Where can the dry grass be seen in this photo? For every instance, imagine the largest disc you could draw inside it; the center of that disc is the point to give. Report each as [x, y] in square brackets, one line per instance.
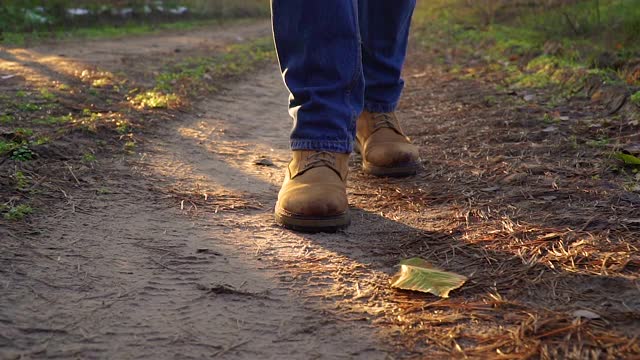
[540, 220]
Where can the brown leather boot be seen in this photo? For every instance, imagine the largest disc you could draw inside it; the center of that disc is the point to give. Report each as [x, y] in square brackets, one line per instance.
[385, 149]
[313, 197]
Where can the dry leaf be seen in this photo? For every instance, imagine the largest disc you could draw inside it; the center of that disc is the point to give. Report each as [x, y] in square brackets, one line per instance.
[419, 275]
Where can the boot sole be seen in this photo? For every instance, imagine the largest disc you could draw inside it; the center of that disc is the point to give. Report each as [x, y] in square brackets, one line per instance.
[401, 170]
[313, 224]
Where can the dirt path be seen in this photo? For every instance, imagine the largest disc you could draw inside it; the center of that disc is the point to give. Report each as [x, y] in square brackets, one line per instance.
[177, 256]
[126, 274]
[140, 57]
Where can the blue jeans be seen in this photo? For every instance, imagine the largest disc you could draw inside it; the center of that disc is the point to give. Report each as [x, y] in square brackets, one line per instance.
[337, 58]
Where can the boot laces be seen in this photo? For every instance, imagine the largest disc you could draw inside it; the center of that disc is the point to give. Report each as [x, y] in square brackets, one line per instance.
[385, 120]
[321, 158]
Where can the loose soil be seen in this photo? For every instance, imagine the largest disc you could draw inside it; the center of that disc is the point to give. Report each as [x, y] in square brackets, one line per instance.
[172, 252]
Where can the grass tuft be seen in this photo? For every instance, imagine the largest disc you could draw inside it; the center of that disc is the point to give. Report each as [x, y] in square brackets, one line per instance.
[16, 213]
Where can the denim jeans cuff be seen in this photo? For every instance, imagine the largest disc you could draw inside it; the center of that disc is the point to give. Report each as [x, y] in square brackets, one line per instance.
[345, 147]
[380, 107]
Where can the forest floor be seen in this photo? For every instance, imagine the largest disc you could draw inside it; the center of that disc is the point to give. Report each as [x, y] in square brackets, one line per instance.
[138, 223]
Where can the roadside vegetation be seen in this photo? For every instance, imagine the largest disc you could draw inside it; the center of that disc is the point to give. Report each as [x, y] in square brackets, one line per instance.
[23, 22]
[54, 134]
[534, 42]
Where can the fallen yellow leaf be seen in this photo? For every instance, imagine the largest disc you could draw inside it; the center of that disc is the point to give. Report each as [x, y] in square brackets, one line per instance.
[418, 275]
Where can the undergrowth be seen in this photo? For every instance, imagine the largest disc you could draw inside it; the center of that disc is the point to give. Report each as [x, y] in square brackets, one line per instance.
[539, 46]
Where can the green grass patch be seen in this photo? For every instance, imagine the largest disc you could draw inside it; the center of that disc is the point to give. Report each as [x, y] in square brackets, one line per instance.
[129, 147]
[103, 191]
[610, 24]
[195, 74]
[88, 158]
[54, 120]
[41, 140]
[89, 120]
[154, 99]
[600, 143]
[29, 107]
[47, 95]
[7, 119]
[16, 213]
[561, 44]
[628, 159]
[23, 132]
[102, 82]
[7, 146]
[613, 24]
[22, 182]
[123, 127]
[22, 153]
[18, 149]
[108, 31]
[635, 98]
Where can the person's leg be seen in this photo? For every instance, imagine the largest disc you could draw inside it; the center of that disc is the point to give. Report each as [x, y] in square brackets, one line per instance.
[384, 28]
[318, 46]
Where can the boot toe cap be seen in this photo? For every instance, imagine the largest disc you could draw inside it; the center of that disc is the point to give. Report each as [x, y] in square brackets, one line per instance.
[392, 154]
[317, 202]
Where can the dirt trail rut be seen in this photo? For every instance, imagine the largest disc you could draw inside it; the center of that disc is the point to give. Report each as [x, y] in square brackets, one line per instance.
[128, 274]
